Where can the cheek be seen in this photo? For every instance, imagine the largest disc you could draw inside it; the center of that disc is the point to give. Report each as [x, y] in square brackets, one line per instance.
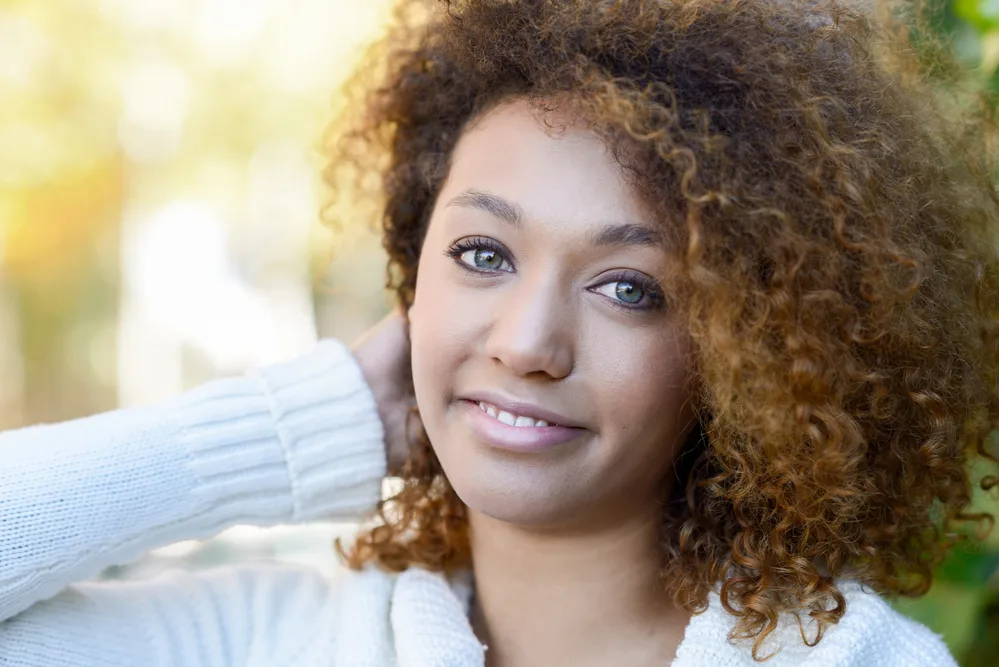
[643, 401]
[439, 324]
[424, 324]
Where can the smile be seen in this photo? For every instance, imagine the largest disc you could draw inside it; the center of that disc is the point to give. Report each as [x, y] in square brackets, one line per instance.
[514, 432]
[511, 419]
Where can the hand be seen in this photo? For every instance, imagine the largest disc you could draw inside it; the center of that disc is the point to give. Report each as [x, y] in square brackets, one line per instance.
[383, 354]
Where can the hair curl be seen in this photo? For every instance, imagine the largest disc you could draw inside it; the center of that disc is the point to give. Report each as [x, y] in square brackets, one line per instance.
[824, 178]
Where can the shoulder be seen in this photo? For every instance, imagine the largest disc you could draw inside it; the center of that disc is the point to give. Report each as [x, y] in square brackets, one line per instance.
[870, 634]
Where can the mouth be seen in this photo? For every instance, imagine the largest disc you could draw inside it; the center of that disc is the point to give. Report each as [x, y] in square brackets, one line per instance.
[512, 419]
[518, 427]
[518, 413]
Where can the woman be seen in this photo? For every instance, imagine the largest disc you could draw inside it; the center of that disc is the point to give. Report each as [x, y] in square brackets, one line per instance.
[699, 314]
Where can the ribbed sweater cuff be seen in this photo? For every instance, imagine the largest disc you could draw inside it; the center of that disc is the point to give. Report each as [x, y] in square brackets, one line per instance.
[328, 424]
[293, 442]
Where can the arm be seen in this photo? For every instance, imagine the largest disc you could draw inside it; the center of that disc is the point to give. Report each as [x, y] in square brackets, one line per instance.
[294, 442]
[242, 615]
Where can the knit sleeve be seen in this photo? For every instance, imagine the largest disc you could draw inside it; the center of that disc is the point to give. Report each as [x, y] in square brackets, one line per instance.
[245, 615]
[294, 442]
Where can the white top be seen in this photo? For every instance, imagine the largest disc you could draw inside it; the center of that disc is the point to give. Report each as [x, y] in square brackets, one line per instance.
[295, 442]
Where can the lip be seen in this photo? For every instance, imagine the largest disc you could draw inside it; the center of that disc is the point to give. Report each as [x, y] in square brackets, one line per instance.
[521, 408]
[520, 439]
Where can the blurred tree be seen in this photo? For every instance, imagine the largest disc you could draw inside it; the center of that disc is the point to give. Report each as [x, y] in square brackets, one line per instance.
[61, 183]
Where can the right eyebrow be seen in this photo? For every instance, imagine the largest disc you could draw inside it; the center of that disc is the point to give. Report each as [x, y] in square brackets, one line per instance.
[490, 203]
[626, 234]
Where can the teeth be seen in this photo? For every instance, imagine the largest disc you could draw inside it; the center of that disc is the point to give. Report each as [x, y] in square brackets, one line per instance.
[507, 418]
[510, 419]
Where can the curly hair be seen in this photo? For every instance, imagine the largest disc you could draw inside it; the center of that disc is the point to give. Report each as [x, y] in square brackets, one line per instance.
[824, 177]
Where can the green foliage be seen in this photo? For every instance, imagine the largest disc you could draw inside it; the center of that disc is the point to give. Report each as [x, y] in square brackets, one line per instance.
[982, 14]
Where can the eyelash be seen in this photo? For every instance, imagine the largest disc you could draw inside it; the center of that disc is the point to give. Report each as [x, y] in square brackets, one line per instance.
[643, 282]
[461, 246]
[649, 286]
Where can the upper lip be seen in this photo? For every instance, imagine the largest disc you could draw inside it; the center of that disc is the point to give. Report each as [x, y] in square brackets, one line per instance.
[521, 408]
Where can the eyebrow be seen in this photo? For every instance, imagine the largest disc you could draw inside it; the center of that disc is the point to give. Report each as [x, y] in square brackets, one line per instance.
[624, 234]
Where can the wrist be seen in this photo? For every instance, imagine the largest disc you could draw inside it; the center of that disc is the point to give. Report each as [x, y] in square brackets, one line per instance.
[328, 425]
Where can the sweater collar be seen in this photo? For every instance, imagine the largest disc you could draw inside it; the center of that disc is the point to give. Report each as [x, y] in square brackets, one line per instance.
[431, 628]
[429, 616]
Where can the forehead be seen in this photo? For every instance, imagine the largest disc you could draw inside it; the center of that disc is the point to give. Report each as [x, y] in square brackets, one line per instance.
[552, 168]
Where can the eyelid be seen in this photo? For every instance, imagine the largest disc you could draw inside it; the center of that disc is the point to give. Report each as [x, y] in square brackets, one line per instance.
[463, 245]
[651, 287]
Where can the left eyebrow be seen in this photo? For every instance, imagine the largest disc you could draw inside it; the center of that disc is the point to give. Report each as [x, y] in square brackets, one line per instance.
[625, 235]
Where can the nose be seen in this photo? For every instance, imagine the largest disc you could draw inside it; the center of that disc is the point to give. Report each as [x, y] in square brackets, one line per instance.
[532, 331]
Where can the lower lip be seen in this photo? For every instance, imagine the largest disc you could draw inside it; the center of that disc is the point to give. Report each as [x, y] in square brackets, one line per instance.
[517, 438]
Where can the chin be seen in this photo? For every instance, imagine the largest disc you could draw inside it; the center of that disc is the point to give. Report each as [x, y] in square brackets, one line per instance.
[516, 491]
[518, 514]
[508, 506]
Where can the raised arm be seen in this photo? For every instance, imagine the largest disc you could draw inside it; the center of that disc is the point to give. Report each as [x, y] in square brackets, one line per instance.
[293, 442]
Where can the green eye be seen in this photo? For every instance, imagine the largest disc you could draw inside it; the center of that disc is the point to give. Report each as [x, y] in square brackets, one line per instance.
[629, 292]
[487, 259]
[480, 254]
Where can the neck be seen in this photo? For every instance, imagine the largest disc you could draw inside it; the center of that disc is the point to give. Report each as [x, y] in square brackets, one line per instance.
[579, 597]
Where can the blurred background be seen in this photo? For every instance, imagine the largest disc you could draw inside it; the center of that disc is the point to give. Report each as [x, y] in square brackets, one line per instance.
[159, 198]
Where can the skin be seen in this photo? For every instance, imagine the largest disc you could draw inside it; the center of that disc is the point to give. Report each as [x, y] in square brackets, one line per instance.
[383, 355]
[554, 530]
[547, 329]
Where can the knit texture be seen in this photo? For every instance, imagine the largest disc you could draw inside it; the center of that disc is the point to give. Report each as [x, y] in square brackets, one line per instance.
[295, 442]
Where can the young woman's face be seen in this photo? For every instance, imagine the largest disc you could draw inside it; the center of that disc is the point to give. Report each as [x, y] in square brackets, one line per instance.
[537, 299]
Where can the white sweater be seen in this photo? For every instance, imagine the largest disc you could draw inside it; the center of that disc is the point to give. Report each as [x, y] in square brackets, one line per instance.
[296, 442]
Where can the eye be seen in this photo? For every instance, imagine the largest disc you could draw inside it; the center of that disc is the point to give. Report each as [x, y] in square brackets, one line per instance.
[483, 258]
[628, 292]
[632, 292]
[480, 254]
[623, 291]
